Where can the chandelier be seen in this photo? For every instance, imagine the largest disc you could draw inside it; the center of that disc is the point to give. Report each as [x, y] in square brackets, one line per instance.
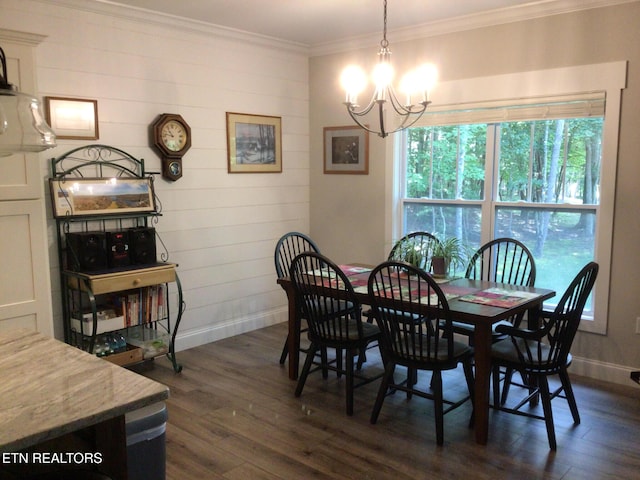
[414, 86]
[22, 125]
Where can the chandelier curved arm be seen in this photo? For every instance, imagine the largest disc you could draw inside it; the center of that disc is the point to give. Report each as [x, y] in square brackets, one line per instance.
[408, 115]
[356, 115]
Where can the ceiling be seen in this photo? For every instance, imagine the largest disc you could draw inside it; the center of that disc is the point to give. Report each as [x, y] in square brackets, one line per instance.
[316, 22]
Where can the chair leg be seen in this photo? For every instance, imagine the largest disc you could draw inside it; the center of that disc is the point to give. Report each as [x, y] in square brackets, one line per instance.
[438, 405]
[412, 379]
[495, 375]
[467, 366]
[545, 397]
[389, 369]
[305, 369]
[350, 359]
[568, 391]
[324, 362]
[362, 357]
[508, 376]
[285, 351]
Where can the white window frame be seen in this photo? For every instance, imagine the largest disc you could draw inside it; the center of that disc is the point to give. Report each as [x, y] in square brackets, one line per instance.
[526, 88]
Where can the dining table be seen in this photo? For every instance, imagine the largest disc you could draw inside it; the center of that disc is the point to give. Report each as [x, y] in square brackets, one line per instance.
[476, 302]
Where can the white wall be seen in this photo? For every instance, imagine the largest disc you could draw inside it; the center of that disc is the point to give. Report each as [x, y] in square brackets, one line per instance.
[220, 228]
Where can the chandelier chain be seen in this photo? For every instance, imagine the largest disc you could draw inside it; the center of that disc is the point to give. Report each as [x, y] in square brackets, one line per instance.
[384, 43]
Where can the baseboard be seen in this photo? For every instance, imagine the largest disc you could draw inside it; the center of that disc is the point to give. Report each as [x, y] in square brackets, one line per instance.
[211, 333]
[607, 372]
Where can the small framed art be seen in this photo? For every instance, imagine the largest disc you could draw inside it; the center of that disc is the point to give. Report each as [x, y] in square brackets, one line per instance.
[101, 196]
[72, 118]
[346, 150]
[254, 143]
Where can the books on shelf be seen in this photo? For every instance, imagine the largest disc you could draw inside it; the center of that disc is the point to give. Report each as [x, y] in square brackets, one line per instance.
[144, 306]
[123, 310]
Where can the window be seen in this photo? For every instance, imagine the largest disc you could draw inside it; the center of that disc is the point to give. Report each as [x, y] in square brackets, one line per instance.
[541, 188]
[540, 169]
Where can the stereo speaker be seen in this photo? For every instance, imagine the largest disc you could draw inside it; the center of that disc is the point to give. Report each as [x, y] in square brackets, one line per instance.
[86, 251]
[118, 249]
[143, 245]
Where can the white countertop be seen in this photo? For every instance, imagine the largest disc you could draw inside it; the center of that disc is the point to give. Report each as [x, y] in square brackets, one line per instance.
[49, 389]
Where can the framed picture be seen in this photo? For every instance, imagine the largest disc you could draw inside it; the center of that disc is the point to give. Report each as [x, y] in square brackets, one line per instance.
[101, 196]
[72, 118]
[346, 150]
[254, 143]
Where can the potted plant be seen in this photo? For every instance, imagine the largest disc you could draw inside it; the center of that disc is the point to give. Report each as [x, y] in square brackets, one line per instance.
[446, 254]
[412, 253]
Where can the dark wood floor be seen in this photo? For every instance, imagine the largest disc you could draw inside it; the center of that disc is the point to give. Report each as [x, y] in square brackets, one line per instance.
[233, 415]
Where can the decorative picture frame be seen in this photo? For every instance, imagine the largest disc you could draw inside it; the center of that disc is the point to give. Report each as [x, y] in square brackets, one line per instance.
[72, 118]
[101, 196]
[346, 150]
[254, 143]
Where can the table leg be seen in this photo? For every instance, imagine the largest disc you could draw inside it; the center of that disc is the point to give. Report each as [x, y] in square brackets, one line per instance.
[293, 339]
[482, 339]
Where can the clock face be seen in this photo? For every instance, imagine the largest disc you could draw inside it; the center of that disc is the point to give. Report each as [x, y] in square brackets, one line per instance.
[174, 135]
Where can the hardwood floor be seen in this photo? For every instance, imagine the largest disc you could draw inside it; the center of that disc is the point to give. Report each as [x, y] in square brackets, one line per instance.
[233, 415]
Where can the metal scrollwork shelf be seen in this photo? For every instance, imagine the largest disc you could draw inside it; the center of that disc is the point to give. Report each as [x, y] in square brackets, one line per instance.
[115, 273]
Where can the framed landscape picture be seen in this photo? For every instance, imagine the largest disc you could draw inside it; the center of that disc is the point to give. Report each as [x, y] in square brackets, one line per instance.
[254, 143]
[101, 196]
[346, 150]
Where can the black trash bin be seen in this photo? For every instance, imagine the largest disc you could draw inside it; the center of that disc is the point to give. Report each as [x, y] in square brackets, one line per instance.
[146, 450]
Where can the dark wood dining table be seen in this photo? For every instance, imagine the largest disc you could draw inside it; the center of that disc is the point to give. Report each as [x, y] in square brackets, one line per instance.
[481, 315]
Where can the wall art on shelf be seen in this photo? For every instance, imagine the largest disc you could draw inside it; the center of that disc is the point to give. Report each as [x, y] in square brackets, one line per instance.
[346, 150]
[254, 143]
[101, 196]
[72, 118]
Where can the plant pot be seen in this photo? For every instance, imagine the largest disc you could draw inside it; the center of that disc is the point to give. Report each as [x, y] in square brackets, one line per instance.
[439, 266]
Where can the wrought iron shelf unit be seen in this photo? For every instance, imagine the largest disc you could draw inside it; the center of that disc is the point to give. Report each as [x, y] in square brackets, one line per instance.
[115, 291]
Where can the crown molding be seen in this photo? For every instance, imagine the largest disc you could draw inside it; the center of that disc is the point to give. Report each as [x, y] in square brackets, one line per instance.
[535, 9]
[531, 10]
[23, 38]
[166, 21]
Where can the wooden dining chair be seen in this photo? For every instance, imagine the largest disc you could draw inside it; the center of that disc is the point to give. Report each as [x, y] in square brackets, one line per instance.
[328, 302]
[539, 354]
[415, 248]
[287, 248]
[502, 260]
[400, 294]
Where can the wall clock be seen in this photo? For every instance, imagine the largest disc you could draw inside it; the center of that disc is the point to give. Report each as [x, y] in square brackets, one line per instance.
[172, 138]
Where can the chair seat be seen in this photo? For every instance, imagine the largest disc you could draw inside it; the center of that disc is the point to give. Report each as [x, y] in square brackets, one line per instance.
[414, 317]
[442, 355]
[468, 329]
[337, 305]
[349, 330]
[506, 353]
